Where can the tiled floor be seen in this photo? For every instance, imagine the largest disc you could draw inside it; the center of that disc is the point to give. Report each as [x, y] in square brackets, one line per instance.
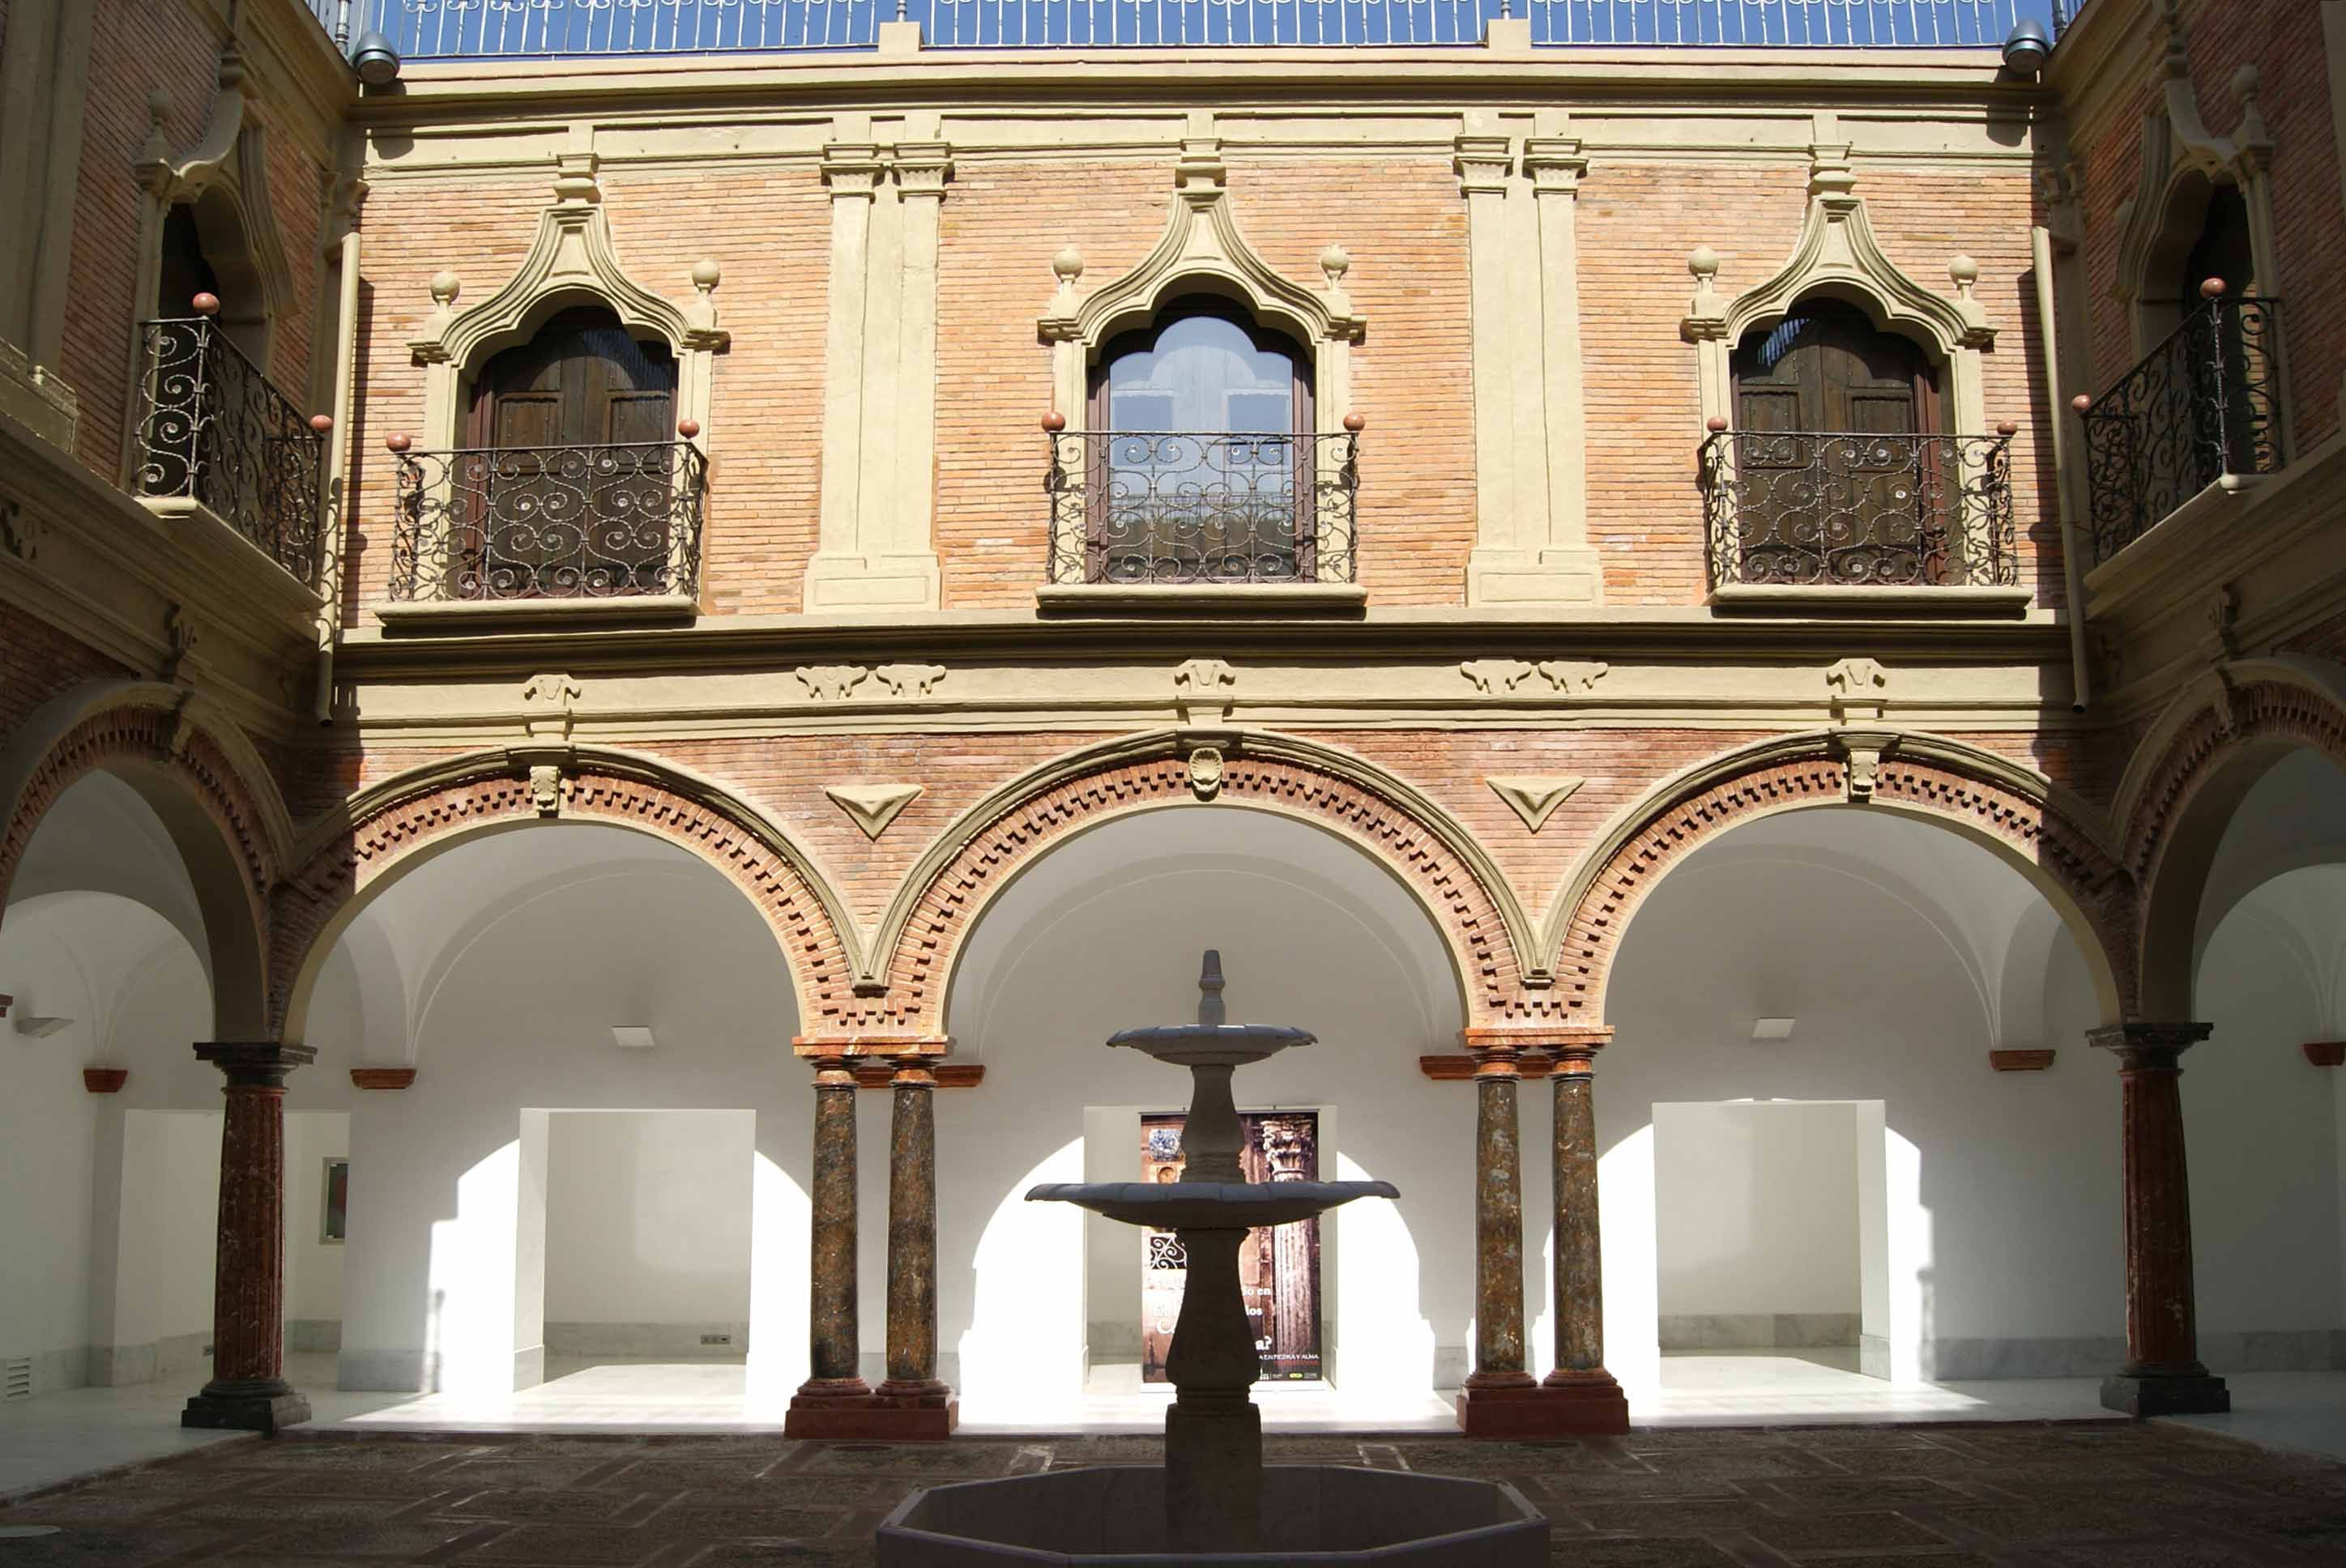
[2021, 1495]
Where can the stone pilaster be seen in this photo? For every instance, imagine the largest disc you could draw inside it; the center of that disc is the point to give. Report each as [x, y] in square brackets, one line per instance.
[2163, 1374]
[247, 1392]
[922, 1405]
[833, 1398]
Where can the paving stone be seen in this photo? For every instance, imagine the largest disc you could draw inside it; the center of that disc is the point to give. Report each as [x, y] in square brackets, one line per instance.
[1673, 1518]
[1635, 1484]
[658, 1473]
[405, 1539]
[406, 1485]
[769, 1553]
[1836, 1491]
[494, 1474]
[104, 1547]
[385, 1454]
[956, 1460]
[1755, 1465]
[2153, 1554]
[576, 1506]
[1842, 1531]
[681, 1518]
[251, 1510]
[561, 1545]
[1684, 1552]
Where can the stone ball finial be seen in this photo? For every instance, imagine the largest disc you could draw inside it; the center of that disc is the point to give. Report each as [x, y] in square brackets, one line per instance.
[206, 304]
[1356, 423]
[1964, 270]
[1335, 261]
[2081, 403]
[398, 442]
[707, 274]
[1055, 422]
[1716, 424]
[2006, 429]
[446, 286]
[322, 422]
[2213, 289]
[1068, 263]
[688, 428]
[1703, 261]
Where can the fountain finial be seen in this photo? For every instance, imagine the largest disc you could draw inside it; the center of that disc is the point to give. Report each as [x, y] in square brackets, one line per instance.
[1211, 1013]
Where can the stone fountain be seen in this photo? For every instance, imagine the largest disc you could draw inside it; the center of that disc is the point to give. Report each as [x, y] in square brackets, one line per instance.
[1213, 1500]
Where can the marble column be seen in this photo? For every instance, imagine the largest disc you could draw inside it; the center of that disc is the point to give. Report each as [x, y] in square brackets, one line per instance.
[925, 1404]
[835, 1387]
[2163, 1374]
[1582, 1395]
[247, 1392]
[1498, 1386]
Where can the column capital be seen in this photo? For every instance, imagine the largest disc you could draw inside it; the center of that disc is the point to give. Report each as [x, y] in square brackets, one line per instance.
[2148, 1046]
[1572, 1046]
[262, 1063]
[1483, 164]
[922, 166]
[1555, 163]
[821, 1046]
[852, 168]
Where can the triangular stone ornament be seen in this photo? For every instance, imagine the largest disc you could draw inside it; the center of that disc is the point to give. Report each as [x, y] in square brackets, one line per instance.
[873, 805]
[1534, 799]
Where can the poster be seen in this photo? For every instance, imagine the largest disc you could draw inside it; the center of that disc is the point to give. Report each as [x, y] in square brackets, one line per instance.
[1279, 1266]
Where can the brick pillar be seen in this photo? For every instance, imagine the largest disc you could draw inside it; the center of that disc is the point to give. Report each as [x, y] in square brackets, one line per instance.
[833, 1398]
[1582, 1396]
[922, 1406]
[2162, 1375]
[1498, 1391]
[247, 1392]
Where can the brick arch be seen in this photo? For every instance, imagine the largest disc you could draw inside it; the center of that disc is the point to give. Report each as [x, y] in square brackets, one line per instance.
[395, 827]
[2195, 770]
[1432, 856]
[1988, 799]
[202, 780]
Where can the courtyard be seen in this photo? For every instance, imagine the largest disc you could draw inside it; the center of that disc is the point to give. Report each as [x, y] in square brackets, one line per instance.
[2074, 1494]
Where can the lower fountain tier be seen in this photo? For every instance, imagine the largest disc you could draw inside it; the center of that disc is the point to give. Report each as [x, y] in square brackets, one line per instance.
[1113, 1516]
[1209, 1204]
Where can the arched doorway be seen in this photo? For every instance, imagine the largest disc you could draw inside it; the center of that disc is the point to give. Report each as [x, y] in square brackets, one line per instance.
[1042, 1307]
[1820, 1192]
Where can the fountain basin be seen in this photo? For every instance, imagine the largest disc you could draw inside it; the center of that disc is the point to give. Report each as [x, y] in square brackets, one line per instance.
[1113, 1516]
[1209, 1204]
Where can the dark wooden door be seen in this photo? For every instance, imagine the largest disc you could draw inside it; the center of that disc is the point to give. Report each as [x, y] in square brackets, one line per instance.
[1837, 478]
[573, 461]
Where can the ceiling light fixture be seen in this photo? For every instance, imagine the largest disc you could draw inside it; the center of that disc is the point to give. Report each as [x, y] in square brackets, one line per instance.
[1773, 1029]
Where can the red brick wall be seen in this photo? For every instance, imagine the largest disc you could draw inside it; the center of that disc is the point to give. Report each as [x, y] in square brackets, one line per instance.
[2284, 41]
[38, 662]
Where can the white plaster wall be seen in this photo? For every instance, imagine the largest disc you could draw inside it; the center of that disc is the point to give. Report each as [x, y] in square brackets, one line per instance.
[48, 1126]
[167, 1245]
[1105, 932]
[527, 959]
[1756, 1207]
[2001, 1190]
[647, 1222]
[313, 1266]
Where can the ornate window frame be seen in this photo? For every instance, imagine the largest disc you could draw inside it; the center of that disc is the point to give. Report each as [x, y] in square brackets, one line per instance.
[1837, 256]
[571, 261]
[1202, 252]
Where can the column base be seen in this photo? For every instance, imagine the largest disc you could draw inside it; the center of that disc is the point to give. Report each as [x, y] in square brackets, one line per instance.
[257, 1407]
[2194, 1392]
[869, 1420]
[1583, 1408]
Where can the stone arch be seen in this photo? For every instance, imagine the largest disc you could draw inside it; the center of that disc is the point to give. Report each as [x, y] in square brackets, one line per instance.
[2050, 837]
[2186, 782]
[388, 830]
[213, 794]
[1435, 859]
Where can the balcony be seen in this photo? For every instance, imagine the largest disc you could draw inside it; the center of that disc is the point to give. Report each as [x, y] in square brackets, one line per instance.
[1191, 509]
[214, 432]
[548, 526]
[2201, 407]
[445, 29]
[1800, 511]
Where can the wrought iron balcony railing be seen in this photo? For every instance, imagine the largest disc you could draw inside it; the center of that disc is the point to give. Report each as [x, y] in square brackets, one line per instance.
[2204, 404]
[547, 523]
[213, 430]
[538, 28]
[1842, 509]
[1203, 507]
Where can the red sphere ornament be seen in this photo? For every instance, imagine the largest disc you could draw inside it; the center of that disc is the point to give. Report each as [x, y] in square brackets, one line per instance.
[398, 442]
[688, 428]
[1716, 424]
[1356, 423]
[2213, 289]
[2007, 429]
[322, 422]
[206, 304]
[1055, 422]
[2082, 403]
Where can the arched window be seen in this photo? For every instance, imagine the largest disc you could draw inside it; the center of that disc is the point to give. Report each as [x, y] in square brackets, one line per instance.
[186, 271]
[2223, 249]
[1201, 471]
[571, 475]
[1842, 474]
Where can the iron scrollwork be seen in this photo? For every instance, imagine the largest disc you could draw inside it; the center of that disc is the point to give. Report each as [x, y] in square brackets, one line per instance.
[1850, 509]
[1174, 507]
[2202, 404]
[214, 430]
[548, 522]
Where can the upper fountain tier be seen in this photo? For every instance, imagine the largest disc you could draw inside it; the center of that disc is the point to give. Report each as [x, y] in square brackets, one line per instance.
[1211, 1041]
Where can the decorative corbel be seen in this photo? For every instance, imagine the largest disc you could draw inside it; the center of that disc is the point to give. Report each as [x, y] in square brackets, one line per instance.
[1706, 316]
[549, 705]
[1199, 686]
[1862, 751]
[179, 638]
[1860, 689]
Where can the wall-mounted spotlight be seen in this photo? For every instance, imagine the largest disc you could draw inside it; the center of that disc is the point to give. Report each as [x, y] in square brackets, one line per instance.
[632, 1037]
[1772, 1029]
[40, 1028]
[377, 63]
[2028, 47]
